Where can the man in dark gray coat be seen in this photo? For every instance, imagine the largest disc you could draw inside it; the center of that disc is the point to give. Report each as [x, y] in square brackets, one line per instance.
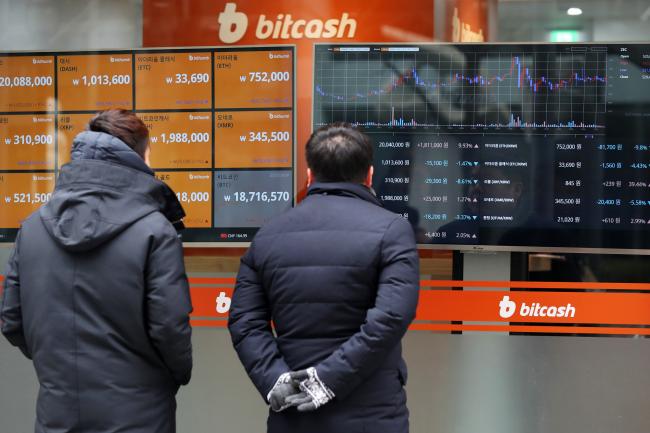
[338, 276]
[96, 293]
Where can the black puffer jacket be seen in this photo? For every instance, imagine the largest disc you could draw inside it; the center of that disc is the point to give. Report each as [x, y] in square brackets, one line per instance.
[338, 276]
[96, 294]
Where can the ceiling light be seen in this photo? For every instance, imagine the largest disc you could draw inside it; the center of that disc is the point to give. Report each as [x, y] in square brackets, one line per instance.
[574, 11]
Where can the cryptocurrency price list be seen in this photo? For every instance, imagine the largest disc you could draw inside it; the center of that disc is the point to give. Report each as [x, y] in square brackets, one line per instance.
[501, 145]
[221, 124]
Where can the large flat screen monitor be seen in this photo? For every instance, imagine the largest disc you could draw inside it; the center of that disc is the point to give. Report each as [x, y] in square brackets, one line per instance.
[506, 147]
[221, 124]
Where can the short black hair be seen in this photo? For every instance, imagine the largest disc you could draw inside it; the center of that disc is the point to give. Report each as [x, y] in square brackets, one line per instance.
[339, 153]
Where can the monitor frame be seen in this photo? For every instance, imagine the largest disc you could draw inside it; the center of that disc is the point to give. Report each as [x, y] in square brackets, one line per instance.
[183, 49]
[473, 248]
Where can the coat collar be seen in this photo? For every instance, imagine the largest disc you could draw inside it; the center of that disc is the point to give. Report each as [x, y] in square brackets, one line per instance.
[345, 189]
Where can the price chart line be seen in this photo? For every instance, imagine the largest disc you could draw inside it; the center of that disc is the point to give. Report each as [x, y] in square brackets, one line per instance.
[541, 91]
[524, 78]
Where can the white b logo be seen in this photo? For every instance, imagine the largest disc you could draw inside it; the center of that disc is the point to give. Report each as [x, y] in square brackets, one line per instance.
[223, 303]
[232, 24]
[507, 307]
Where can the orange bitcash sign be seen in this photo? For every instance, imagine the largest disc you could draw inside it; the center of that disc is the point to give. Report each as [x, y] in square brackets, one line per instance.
[515, 307]
[221, 124]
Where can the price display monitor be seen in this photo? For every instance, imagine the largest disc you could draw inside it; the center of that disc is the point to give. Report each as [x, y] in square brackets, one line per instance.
[221, 124]
[532, 147]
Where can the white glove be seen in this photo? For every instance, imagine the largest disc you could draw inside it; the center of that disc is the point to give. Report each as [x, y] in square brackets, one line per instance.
[284, 387]
[314, 392]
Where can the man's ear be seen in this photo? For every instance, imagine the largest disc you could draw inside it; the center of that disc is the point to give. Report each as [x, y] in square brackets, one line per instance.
[147, 156]
[368, 181]
[310, 177]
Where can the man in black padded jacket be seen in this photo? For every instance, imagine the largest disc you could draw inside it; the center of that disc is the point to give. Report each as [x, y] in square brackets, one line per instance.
[338, 276]
[95, 291]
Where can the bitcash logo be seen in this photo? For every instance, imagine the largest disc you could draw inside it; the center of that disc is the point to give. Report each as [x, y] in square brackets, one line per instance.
[232, 24]
[507, 307]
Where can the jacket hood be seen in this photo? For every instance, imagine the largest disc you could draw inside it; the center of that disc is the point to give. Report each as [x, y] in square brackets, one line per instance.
[105, 189]
[100, 146]
[346, 190]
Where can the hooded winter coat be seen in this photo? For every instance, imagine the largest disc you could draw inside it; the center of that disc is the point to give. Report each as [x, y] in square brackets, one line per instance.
[96, 295]
[338, 276]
